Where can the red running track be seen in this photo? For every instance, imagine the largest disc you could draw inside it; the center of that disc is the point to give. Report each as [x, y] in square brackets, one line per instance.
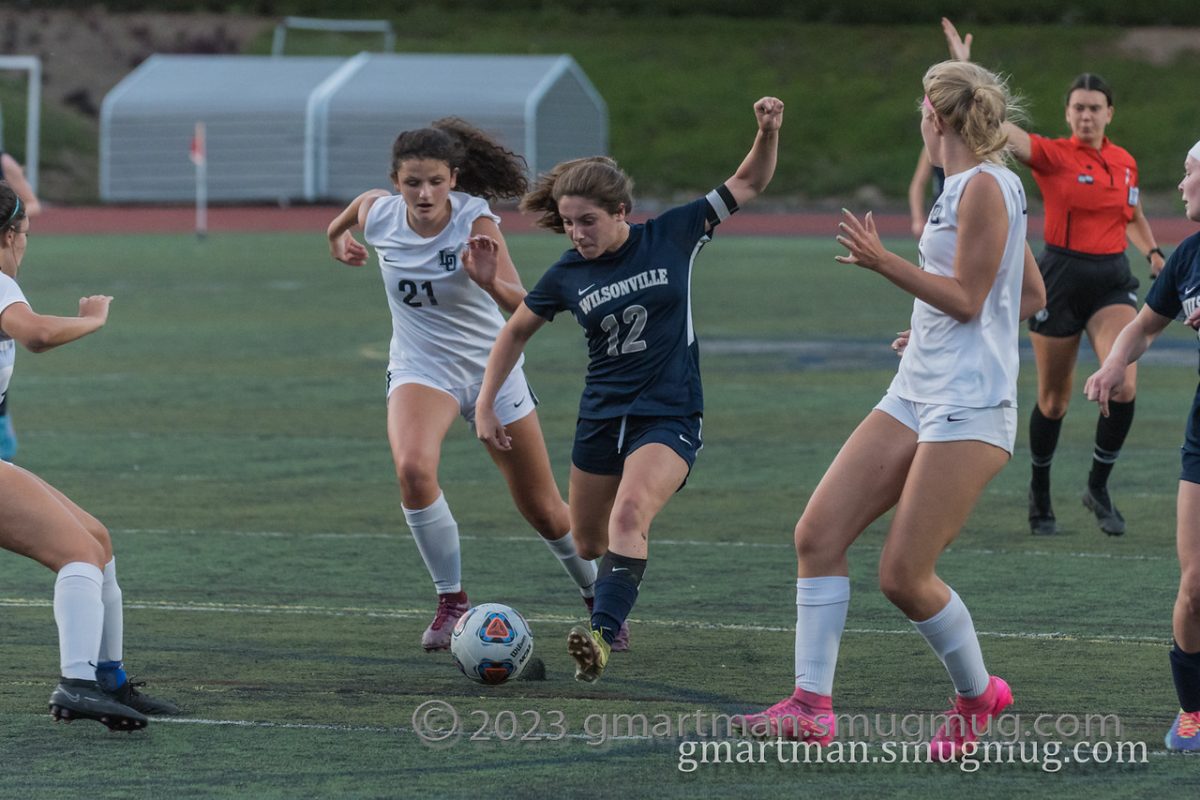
[222, 219]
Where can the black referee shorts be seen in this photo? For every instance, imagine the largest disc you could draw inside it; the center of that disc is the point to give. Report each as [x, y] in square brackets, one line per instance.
[1077, 286]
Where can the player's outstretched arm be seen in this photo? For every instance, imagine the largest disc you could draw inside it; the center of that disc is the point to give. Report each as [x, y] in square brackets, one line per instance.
[1134, 339]
[758, 167]
[960, 46]
[510, 343]
[40, 332]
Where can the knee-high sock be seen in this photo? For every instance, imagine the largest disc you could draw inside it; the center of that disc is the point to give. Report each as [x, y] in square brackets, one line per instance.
[582, 572]
[436, 534]
[821, 605]
[109, 671]
[1043, 441]
[113, 635]
[1185, 669]
[79, 614]
[1110, 436]
[616, 592]
[951, 634]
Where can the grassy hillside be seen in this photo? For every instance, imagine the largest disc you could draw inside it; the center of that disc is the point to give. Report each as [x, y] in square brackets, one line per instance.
[679, 91]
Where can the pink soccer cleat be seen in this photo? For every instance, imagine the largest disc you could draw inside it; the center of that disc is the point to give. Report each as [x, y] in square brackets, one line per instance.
[805, 715]
[969, 717]
[449, 608]
[1184, 735]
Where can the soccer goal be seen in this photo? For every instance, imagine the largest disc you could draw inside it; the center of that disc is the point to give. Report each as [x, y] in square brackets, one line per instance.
[380, 26]
[32, 66]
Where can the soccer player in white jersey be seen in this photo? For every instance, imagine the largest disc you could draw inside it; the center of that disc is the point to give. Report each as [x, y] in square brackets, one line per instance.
[445, 315]
[945, 427]
[38, 521]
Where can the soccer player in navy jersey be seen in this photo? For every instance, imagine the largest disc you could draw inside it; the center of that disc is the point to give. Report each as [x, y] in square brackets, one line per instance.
[1175, 295]
[629, 286]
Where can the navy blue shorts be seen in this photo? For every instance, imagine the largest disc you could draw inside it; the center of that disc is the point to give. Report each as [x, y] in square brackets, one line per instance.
[1191, 444]
[602, 445]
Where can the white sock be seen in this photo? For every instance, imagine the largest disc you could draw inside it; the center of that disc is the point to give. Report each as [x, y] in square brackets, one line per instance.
[582, 572]
[951, 634]
[821, 605]
[113, 635]
[79, 613]
[436, 534]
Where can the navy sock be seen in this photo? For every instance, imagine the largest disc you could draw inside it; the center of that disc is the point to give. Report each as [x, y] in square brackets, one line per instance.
[1043, 440]
[110, 675]
[1185, 668]
[617, 583]
[1110, 436]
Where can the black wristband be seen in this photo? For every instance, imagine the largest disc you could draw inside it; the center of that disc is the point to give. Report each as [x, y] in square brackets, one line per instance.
[1154, 250]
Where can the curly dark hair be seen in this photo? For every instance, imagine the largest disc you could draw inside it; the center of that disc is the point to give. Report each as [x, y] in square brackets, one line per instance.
[485, 168]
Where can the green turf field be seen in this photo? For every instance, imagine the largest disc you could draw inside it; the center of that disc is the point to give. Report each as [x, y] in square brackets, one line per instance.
[228, 425]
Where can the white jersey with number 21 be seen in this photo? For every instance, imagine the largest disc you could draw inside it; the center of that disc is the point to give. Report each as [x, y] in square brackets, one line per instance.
[443, 323]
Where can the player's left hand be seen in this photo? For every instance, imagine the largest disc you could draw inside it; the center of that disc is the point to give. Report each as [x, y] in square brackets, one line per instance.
[480, 260]
[769, 112]
[1193, 320]
[1157, 263]
[862, 240]
[348, 250]
[489, 430]
[901, 342]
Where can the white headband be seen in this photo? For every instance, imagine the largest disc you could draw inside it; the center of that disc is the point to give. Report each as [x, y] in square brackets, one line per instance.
[1195, 151]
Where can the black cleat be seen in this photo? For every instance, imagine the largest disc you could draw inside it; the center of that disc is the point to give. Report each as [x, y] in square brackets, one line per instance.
[127, 694]
[74, 699]
[1041, 514]
[1099, 503]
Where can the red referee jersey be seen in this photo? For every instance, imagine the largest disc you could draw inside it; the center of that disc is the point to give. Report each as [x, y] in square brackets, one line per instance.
[1090, 195]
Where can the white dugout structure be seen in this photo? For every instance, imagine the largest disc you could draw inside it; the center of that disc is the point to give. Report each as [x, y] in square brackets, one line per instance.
[292, 128]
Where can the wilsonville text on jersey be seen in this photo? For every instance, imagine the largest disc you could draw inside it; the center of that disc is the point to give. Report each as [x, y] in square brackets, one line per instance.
[643, 280]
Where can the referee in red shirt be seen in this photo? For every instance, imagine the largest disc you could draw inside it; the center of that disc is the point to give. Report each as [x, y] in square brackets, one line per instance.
[1090, 189]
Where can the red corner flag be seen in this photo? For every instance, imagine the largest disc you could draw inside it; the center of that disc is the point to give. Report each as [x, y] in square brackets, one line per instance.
[198, 152]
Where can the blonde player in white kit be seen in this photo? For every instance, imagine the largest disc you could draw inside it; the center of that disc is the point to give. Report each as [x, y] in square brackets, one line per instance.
[945, 427]
[445, 317]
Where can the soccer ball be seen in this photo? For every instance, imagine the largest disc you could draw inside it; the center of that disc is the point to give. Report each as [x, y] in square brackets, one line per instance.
[491, 643]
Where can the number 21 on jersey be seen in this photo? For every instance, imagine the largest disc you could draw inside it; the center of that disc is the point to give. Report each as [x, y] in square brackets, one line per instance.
[411, 288]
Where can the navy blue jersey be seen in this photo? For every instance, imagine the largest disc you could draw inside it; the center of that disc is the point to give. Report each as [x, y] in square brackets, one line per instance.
[635, 307]
[1176, 292]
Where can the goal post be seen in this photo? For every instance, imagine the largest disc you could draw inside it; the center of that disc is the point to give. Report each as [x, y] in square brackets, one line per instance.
[32, 65]
[381, 26]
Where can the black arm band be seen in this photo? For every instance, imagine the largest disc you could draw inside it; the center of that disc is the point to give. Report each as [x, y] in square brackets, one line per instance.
[720, 204]
[1154, 250]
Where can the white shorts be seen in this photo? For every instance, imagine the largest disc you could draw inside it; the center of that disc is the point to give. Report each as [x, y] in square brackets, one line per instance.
[514, 401]
[935, 423]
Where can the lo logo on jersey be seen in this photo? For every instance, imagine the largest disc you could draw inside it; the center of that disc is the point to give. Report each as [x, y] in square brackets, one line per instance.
[448, 258]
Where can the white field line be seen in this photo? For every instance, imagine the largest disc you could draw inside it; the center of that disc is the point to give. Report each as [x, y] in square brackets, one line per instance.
[412, 613]
[533, 537]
